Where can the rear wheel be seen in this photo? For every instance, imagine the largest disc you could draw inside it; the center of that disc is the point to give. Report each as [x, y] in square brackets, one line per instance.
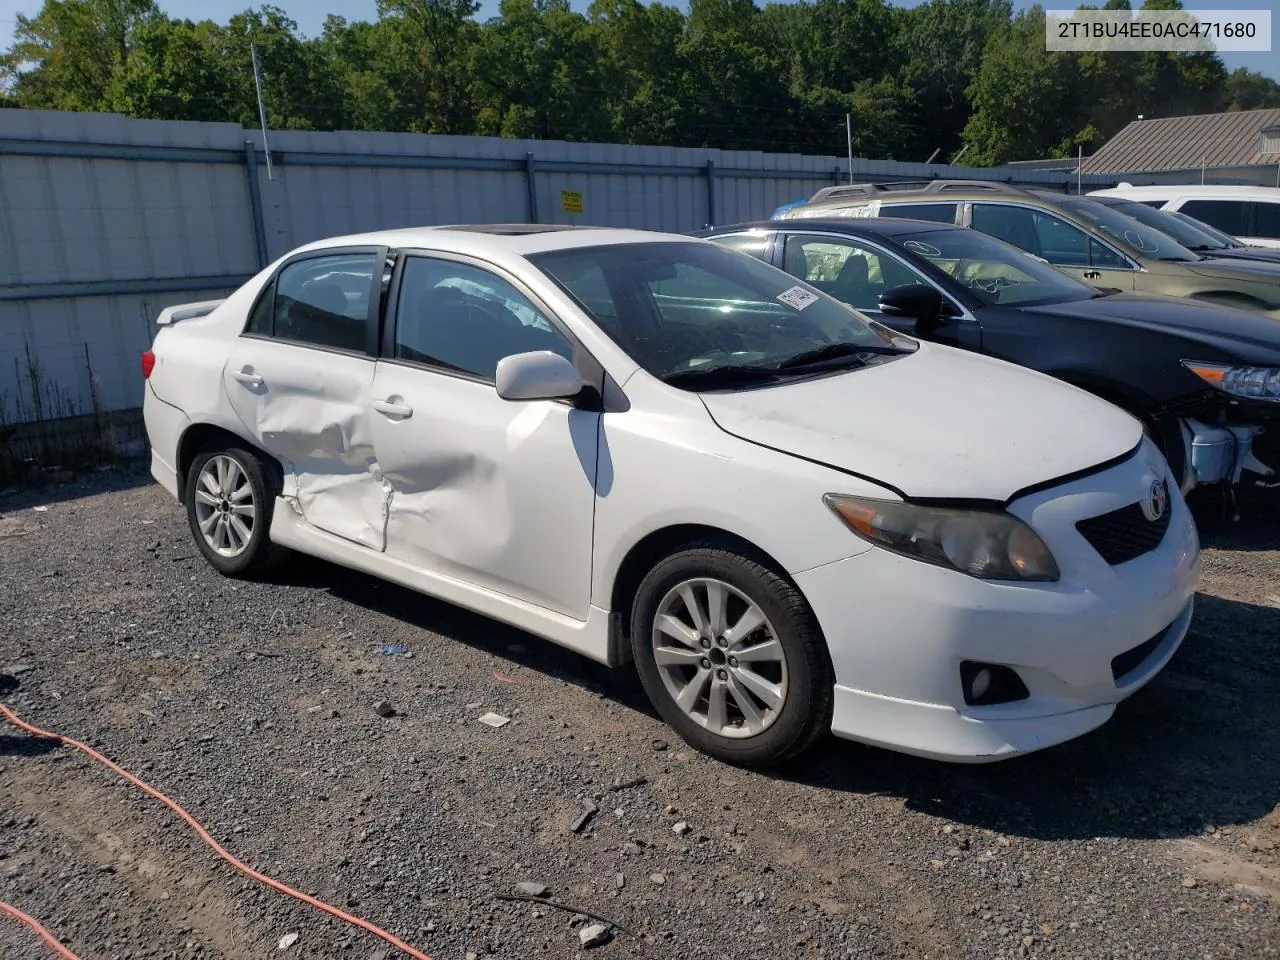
[731, 656]
[230, 495]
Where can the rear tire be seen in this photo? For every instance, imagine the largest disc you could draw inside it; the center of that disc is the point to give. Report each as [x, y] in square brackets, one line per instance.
[731, 656]
[230, 495]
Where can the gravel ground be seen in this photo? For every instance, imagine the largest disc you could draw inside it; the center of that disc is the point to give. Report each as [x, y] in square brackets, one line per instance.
[253, 705]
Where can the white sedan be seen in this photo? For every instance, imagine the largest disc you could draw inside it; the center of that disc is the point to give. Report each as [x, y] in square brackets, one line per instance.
[647, 447]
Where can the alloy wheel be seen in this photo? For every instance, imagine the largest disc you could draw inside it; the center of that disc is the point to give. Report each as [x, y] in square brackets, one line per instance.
[225, 508]
[719, 658]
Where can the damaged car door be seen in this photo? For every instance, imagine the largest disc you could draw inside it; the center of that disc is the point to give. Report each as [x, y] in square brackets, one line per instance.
[300, 380]
[492, 492]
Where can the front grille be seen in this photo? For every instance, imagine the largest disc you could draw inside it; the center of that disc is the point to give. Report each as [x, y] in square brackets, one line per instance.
[1122, 535]
[1130, 660]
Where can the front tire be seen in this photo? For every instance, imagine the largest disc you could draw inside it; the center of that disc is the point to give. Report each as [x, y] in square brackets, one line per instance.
[731, 656]
[230, 495]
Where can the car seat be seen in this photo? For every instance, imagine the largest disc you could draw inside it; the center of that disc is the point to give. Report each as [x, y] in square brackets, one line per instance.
[853, 283]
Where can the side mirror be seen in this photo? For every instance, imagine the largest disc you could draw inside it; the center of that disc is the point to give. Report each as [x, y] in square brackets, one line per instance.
[917, 300]
[539, 375]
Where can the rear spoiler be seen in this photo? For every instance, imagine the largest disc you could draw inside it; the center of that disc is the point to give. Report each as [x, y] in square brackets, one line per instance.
[187, 311]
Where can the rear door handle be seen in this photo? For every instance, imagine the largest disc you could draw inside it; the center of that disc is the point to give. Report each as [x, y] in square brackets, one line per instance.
[249, 379]
[393, 409]
[1092, 274]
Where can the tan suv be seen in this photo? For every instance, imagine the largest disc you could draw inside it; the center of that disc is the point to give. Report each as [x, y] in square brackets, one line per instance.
[1079, 236]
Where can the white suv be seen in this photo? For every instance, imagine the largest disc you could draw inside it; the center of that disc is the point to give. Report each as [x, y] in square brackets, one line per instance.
[650, 447]
[1250, 214]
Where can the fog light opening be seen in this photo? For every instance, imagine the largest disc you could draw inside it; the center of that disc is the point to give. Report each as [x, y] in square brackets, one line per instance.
[981, 683]
[985, 684]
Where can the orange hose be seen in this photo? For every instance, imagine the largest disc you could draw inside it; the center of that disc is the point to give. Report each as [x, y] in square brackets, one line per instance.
[191, 821]
[41, 932]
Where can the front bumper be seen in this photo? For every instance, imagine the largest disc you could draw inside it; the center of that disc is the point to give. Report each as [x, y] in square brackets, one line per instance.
[898, 630]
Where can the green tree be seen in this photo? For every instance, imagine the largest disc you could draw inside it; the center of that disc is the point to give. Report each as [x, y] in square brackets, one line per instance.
[538, 73]
[729, 74]
[1025, 98]
[423, 51]
[735, 89]
[944, 42]
[66, 56]
[171, 73]
[1246, 90]
[356, 56]
[299, 93]
[643, 75]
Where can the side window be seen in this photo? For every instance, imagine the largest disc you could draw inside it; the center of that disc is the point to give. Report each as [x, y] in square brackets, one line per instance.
[849, 271]
[1103, 256]
[464, 318]
[591, 287]
[1060, 242]
[1015, 225]
[1229, 216]
[1266, 220]
[260, 319]
[324, 301]
[756, 244]
[940, 212]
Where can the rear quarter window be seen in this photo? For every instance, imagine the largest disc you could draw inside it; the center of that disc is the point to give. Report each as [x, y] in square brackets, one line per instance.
[1266, 220]
[1229, 216]
[938, 212]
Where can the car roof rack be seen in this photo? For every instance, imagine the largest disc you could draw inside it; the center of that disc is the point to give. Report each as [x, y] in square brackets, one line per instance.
[852, 190]
[987, 186]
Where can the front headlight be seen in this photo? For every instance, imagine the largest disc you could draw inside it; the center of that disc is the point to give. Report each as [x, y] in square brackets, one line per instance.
[1247, 383]
[988, 544]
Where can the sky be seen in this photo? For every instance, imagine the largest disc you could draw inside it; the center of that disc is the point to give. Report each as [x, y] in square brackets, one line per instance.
[310, 14]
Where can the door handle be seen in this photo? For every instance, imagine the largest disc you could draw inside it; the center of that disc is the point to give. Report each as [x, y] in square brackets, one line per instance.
[249, 379]
[1092, 274]
[393, 409]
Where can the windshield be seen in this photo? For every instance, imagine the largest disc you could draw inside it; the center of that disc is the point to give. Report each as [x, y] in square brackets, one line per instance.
[1138, 237]
[677, 307]
[1224, 239]
[995, 271]
[1189, 236]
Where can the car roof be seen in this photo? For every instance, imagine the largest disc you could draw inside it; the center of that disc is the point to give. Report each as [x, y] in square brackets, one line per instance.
[879, 226]
[1205, 190]
[520, 239]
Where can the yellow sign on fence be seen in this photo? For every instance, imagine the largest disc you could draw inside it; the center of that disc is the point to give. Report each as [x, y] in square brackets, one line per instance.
[571, 201]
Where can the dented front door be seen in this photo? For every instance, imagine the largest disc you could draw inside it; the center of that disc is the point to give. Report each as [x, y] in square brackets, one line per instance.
[494, 493]
[300, 380]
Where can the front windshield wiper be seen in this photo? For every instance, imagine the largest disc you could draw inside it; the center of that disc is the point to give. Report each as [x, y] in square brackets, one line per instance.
[720, 375]
[835, 351]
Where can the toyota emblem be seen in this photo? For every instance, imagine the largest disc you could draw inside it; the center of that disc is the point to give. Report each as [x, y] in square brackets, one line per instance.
[1158, 501]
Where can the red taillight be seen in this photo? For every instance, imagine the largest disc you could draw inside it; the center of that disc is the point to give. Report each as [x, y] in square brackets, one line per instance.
[148, 363]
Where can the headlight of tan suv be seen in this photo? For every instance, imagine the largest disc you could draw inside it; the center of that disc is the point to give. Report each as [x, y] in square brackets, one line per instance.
[1247, 383]
[988, 544]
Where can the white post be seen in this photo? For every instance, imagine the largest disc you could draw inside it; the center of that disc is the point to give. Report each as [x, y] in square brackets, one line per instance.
[1079, 164]
[934, 154]
[262, 107]
[848, 131]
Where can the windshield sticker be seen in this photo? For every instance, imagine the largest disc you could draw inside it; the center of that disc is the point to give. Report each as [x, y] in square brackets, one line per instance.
[922, 248]
[1139, 242]
[797, 297]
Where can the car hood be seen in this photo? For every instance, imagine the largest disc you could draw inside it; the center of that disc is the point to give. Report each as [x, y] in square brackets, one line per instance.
[1243, 334]
[939, 423]
[1260, 271]
[1260, 254]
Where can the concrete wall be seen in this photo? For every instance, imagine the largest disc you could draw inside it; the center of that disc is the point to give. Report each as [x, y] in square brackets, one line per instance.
[106, 220]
